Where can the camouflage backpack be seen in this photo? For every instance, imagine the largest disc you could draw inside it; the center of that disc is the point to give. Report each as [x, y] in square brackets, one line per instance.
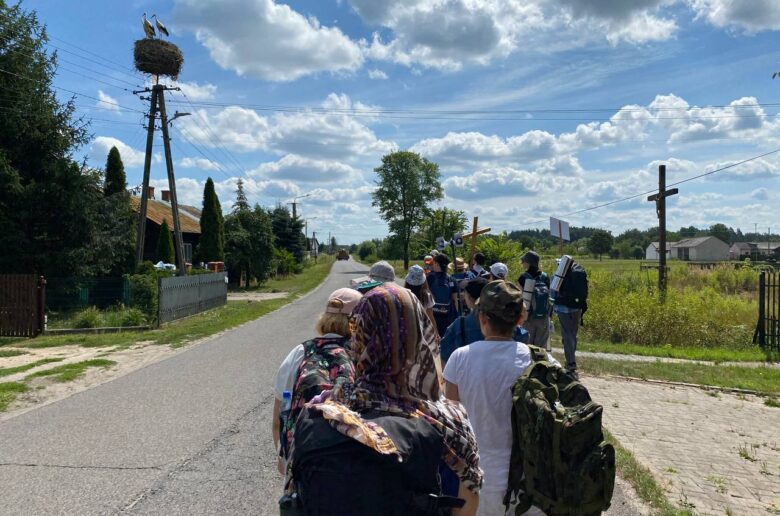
[560, 462]
[325, 365]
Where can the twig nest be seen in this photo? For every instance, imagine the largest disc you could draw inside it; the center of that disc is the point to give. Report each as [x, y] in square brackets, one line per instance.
[158, 57]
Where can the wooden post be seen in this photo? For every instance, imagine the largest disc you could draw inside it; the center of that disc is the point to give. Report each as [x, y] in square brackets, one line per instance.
[141, 237]
[660, 208]
[41, 306]
[475, 232]
[181, 262]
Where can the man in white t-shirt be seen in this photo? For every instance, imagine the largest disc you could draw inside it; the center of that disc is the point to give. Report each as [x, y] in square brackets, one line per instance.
[480, 376]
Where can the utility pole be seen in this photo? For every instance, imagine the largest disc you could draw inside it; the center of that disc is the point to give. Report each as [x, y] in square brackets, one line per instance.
[295, 204]
[157, 102]
[330, 244]
[316, 247]
[660, 209]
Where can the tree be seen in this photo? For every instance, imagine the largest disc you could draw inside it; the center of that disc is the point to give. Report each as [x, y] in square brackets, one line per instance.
[600, 242]
[165, 251]
[442, 222]
[288, 233]
[211, 247]
[241, 201]
[407, 184]
[249, 244]
[116, 182]
[366, 249]
[49, 204]
[720, 231]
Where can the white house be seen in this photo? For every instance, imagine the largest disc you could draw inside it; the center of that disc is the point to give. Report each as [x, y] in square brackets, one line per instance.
[651, 253]
[753, 250]
[699, 249]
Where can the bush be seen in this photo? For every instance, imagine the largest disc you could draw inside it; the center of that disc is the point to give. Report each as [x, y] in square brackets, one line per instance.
[87, 318]
[366, 249]
[145, 294]
[133, 317]
[284, 262]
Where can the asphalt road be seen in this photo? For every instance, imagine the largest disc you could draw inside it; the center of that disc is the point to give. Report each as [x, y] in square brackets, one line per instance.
[187, 435]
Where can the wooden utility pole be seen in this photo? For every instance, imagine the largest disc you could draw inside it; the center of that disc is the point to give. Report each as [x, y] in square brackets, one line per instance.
[660, 209]
[157, 102]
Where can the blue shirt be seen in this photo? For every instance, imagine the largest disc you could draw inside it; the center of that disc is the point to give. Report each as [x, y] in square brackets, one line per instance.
[453, 337]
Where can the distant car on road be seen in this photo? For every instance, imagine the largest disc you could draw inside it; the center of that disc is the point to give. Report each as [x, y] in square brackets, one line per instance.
[342, 255]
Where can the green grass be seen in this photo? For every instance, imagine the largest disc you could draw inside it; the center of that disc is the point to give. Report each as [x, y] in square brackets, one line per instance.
[300, 283]
[6, 353]
[773, 402]
[8, 371]
[761, 379]
[8, 393]
[642, 480]
[70, 372]
[714, 354]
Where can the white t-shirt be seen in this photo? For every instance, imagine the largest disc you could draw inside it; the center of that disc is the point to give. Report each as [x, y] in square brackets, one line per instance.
[484, 372]
[288, 372]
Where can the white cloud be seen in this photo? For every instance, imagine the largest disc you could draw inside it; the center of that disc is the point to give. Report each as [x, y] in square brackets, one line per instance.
[297, 168]
[267, 40]
[201, 163]
[195, 91]
[130, 157]
[190, 191]
[760, 194]
[751, 15]
[377, 74]
[106, 102]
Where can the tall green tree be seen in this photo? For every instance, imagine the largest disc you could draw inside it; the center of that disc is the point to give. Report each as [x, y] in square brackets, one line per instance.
[720, 231]
[211, 246]
[165, 250]
[442, 222]
[600, 242]
[116, 181]
[288, 232]
[249, 241]
[241, 201]
[407, 185]
[49, 204]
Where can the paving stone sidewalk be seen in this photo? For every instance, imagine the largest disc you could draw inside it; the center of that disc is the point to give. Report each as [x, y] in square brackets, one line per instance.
[713, 453]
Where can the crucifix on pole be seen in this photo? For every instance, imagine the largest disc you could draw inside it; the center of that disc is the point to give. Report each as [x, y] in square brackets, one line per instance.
[660, 209]
[475, 232]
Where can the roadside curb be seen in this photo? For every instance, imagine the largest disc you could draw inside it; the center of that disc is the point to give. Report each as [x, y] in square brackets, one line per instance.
[732, 390]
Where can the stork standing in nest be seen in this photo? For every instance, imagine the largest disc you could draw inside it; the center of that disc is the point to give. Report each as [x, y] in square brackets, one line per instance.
[149, 28]
[160, 27]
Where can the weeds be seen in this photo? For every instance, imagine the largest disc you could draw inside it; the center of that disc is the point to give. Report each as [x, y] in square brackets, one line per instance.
[764, 469]
[719, 483]
[7, 353]
[8, 371]
[771, 401]
[8, 393]
[70, 372]
[746, 452]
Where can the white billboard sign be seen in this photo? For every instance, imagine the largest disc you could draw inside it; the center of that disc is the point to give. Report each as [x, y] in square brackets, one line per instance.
[559, 229]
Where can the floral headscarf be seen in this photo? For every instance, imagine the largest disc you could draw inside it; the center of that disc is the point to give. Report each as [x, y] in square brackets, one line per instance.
[398, 371]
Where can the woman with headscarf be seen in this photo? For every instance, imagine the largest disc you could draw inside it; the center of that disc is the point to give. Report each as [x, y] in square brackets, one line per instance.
[386, 435]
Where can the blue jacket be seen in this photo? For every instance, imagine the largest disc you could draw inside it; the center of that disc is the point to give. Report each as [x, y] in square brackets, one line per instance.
[453, 337]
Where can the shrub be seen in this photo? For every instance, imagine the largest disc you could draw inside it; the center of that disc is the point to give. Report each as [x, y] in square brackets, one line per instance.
[133, 317]
[87, 318]
[284, 262]
[144, 293]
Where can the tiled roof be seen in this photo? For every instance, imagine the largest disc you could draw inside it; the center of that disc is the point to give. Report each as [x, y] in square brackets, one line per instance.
[157, 211]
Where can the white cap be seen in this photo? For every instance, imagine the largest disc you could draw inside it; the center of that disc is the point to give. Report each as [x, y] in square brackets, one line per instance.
[499, 270]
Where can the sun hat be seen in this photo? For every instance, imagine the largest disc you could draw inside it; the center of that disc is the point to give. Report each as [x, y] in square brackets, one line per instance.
[531, 258]
[343, 301]
[382, 271]
[416, 276]
[501, 300]
[499, 270]
[460, 265]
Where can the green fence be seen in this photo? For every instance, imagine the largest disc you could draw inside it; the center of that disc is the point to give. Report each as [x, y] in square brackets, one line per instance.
[66, 294]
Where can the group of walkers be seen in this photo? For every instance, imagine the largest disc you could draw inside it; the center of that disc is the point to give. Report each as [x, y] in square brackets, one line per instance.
[403, 403]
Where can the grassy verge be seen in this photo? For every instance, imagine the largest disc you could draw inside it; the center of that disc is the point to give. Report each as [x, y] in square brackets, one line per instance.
[723, 354]
[8, 393]
[642, 480]
[7, 353]
[761, 379]
[192, 328]
[8, 371]
[69, 372]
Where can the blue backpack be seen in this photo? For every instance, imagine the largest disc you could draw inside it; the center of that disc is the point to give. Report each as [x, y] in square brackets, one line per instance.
[540, 302]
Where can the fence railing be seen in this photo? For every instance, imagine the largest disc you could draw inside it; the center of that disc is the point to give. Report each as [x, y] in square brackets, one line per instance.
[22, 301]
[767, 334]
[189, 295]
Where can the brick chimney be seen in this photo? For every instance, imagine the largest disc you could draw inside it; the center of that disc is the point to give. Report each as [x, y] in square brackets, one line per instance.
[150, 192]
[166, 195]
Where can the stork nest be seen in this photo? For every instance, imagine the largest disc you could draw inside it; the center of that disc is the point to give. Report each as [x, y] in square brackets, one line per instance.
[158, 57]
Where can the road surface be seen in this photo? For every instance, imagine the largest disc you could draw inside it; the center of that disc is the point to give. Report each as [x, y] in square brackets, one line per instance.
[187, 435]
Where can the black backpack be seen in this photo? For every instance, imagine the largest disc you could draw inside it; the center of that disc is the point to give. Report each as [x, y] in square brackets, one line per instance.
[574, 288]
[335, 475]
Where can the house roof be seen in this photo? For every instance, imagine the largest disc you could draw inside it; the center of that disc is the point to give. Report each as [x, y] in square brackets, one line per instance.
[668, 245]
[694, 242]
[157, 211]
[765, 245]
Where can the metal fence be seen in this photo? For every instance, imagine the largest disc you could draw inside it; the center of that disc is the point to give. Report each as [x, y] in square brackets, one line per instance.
[767, 333]
[189, 295]
[22, 299]
[73, 293]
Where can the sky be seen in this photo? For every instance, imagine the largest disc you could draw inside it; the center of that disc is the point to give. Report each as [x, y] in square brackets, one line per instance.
[531, 108]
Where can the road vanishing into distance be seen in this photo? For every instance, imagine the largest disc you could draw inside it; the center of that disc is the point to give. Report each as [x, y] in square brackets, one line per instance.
[187, 435]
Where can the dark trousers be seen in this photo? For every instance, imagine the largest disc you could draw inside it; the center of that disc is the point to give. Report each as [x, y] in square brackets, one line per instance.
[570, 324]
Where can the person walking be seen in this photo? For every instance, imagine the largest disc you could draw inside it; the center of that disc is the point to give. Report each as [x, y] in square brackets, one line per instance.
[537, 300]
[415, 281]
[478, 266]
[499, 271]
[376, 447]
[480, 376]
[444, 293]
[465, 329]
[570, 303]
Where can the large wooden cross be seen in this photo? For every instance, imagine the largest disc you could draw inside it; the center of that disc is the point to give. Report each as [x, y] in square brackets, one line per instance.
[660, 208]
[475, 232]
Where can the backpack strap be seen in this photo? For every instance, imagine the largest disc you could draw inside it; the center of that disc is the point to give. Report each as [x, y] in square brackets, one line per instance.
[538, 354]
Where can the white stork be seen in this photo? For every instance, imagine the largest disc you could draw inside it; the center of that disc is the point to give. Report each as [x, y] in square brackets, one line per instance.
[160, 27]
[148, 28]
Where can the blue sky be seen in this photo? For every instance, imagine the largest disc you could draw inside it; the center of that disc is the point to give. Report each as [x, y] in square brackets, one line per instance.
[532, 108]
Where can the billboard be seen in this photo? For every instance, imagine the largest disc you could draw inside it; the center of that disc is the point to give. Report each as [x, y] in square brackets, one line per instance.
[559, 229]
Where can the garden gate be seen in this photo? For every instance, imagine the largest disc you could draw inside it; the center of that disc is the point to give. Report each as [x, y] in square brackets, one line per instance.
[188, 295]
[22, 302]
[767, 334]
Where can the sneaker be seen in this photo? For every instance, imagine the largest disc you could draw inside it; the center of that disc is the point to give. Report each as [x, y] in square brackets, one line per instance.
[573, 374]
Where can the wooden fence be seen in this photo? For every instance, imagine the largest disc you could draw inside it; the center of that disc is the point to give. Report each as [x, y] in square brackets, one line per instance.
[22, 305]
[767, 334]
[188, 295]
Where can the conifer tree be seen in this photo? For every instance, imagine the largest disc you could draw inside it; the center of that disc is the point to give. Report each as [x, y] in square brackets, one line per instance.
[165, 251]
[116, 181]
[211, 247]
[241, 201]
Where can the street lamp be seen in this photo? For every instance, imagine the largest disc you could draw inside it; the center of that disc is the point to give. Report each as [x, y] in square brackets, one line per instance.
[295, 203]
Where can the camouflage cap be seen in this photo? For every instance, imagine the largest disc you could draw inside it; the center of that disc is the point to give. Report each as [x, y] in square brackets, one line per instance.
[502, 300]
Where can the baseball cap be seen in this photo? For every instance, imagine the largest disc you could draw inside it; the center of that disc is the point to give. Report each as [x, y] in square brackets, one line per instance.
[499, 270]
[474, 287]
[343, 301]
[382, 271]
[502, 300]
[530, 258]
[416, 276]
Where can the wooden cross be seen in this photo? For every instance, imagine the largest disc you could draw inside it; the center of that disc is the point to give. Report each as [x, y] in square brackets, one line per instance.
[474, 234]
[660, 209]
